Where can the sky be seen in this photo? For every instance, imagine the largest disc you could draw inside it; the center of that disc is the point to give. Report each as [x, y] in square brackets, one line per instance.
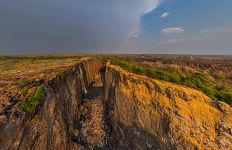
[116, 26]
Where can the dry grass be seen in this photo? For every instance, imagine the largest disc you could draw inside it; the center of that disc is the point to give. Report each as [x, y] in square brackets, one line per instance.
[15, 71]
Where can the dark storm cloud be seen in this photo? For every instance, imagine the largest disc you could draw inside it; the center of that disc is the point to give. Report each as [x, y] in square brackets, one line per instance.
[36, 26]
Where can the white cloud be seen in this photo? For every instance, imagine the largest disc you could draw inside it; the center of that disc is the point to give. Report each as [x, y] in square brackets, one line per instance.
[216, 30]
[164, 15]
[151, 5]
[143, 7]
[175, 30]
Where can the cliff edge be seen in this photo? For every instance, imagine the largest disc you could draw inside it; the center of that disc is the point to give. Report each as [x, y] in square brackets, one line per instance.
[153, 114]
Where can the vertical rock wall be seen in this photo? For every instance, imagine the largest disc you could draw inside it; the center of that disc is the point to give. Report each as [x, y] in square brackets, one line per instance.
[54, 125]
[152, 114]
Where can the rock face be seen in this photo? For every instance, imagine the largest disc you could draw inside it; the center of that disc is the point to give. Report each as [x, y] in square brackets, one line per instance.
[126, 111]
[150, 114]
[54, 124]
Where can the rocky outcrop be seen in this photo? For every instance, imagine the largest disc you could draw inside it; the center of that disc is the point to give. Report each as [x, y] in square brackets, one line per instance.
[53, 125]
[152, 114]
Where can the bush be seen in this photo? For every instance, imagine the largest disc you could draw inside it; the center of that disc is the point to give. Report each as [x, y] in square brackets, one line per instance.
[150, 73]
[188, 81]
[123, 64]
[137, 69]
[34, 100]
[168, 76]
[224, 94]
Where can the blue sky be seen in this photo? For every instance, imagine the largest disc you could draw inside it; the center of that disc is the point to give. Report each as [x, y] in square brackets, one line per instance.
[206, 27]
[122, 26]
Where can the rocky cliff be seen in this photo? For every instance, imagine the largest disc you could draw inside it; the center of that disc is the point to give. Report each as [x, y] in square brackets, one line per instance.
[53, 125]
[92, 106]
[152, 114]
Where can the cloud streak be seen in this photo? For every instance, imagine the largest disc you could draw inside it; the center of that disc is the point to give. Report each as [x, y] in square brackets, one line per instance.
[174, 30]
[216, 30]
[165, 15]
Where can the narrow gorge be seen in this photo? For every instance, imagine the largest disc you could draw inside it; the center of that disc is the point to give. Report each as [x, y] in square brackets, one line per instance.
[100, 106]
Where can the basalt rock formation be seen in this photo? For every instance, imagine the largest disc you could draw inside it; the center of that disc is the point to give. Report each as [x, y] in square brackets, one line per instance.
[54, 125]
[97, 106]
[152, 114]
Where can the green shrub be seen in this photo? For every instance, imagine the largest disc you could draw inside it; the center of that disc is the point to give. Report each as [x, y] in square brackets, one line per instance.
[123, 64]
[188, 81]
[137, 69]
[168, 76]
[150, 73]
[34, 100]
[224, 94]
[174, 77]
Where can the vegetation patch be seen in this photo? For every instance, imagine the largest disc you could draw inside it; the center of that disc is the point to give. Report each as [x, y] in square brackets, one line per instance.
[201, 81]
[33, 101]
[23, 86]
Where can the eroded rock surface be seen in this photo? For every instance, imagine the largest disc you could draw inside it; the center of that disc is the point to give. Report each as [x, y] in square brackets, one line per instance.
[54, 124]
[152, 114]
